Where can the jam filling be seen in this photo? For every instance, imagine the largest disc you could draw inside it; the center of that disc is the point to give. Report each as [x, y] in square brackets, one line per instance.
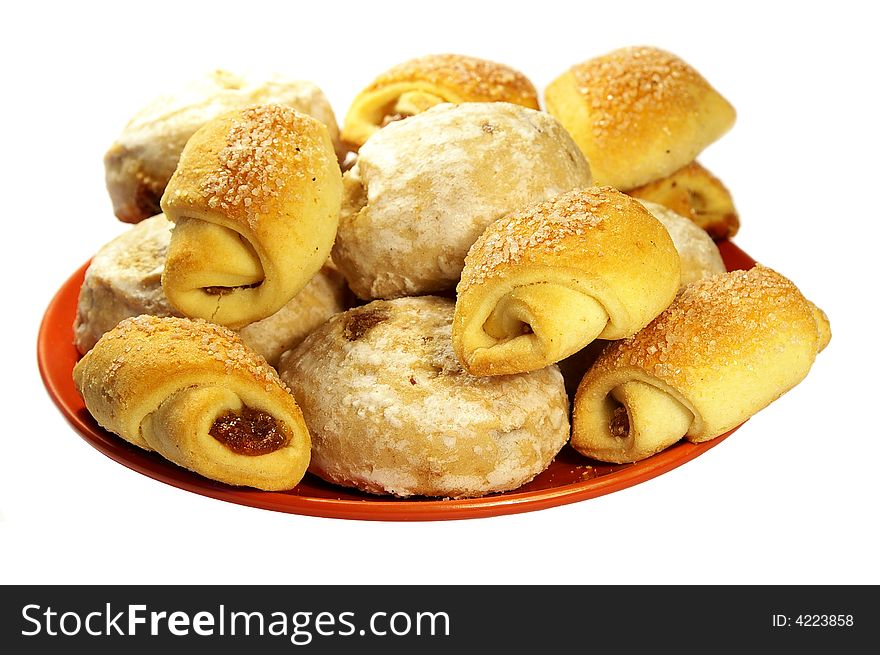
[619, 424]
[250, 432]
[222, 291]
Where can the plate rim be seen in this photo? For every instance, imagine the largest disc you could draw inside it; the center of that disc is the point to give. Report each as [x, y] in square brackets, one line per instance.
[63, 306]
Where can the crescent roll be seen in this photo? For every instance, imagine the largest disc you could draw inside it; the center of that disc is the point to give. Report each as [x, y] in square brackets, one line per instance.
[638, 114]
[424, 189]
[194, 393]
[726, 348]
[255, 201]
[545, 281]
[418, 84]
[697, 252]
[123, 280]
[695, 193]
[391, 411]
[143, 158]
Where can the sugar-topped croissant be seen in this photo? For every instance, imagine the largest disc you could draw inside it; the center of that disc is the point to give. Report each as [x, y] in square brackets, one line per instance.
[727, 347]
[638, 114]
[255, 200]
[194, 393]
[418, 84]
[543, 282]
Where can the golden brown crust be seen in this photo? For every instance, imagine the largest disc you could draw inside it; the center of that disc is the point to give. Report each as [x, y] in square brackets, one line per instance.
[472, 79]
[392, 412]
[159, 383]
[694, 192]
[546, 280]
[256, 199]
[727, 347]
[441, 78]
[638, 114]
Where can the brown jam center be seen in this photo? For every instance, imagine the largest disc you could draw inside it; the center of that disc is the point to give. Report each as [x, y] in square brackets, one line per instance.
[619, 424]
[222, 291]
[250, 432]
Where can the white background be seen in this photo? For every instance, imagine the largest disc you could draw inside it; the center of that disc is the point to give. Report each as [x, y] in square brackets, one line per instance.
[791, 497]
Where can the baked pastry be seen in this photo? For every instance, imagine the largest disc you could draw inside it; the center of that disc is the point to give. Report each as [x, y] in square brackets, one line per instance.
[694, 192]
[418, 84]
[255, 202]
[325, 295]
[698, 254]
[424, 189]
[726, 348]
[544, 281]
[194, 393]
[638, 114]
[124, 280]
[143, 158]
[391, 411]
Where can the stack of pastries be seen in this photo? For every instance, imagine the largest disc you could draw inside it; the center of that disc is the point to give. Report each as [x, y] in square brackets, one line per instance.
[435, 300]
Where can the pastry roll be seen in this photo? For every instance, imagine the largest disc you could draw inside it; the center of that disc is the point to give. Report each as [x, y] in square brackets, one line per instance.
[143, 158]
[727, 347]
[194, 393]
[544, 281]
[391, 411]
[255, 202]
[638, 114]
[698, 254]
[416, 85]
[123, 280]
[694, 192]
[424, 189]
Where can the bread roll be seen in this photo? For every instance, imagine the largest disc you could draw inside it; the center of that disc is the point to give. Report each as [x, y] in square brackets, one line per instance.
[638, 114]
[143, 158]
[695, 193]
[424, 189]
[726, 348]
[545, 281]
[698, 254]
[255, 202]
[392, 412]
[418, 84]
[194, 393]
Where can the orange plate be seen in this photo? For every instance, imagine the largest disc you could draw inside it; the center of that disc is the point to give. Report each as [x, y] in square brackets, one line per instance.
[569, 478]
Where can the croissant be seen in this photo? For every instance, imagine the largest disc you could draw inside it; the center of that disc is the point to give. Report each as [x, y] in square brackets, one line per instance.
[142, 159]
[194, 393]
[727, 347]
[418, 84]
[638, 114]
[693, 192]
[543, 282]
[255, 199]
